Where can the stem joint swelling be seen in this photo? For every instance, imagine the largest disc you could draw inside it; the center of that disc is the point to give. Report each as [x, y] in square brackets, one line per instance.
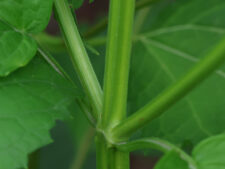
[107, 137]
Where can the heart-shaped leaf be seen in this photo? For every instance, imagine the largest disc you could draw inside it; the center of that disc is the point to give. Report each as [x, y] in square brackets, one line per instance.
[171, 160]
[210, 153]
[16, 50]
[19, 19]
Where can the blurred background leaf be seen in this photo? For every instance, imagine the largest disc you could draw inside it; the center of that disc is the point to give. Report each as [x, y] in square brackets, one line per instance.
[171, 160]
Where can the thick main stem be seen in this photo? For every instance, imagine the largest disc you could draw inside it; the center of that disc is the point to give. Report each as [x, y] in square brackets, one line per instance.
[118, 159]
[116, 76]
[117, 61]
[79, 56]
[102, 152]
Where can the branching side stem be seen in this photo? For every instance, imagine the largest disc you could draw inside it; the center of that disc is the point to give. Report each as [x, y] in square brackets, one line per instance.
[113, 126]
[117, 61]
[157, 144]
[79, 56]
[173, 94]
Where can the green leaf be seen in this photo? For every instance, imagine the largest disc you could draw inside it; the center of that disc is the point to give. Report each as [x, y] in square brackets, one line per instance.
[173, 42]
[16, 49]
[31, 99]
[19, 19]
[210, 153]
[26, 15]
[77, 3]
[171, 160]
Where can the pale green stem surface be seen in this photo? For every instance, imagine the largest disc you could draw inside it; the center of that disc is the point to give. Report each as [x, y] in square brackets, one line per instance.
[117, 61]
[119, 159]
[118, 51]
[79, 56]
[102, 152]
[173, 94]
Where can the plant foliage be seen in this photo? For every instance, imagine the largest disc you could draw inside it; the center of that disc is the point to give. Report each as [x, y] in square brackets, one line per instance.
[170, 38]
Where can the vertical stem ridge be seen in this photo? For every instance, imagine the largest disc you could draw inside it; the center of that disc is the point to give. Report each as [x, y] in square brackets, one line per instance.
[102, 152]
[119, 159]
[117, 61]
[118, 51]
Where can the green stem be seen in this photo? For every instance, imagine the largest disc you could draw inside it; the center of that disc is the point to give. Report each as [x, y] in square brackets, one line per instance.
[169, 97]
[117, 61]
[119, 159]
[57, 67]
[118, 51]
[102, 152]
[108, 157]
[102, 24]
[156, 144]
[97, 41]
[56, 44]
[79, 56]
